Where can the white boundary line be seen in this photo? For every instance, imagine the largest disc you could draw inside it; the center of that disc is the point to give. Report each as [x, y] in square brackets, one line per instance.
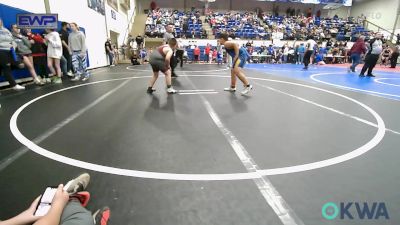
[380, 82]
[21, 151]
[264, 185]
[200, 177]
[199, 93]
[345, 87]
[198, 71]
[182, 91]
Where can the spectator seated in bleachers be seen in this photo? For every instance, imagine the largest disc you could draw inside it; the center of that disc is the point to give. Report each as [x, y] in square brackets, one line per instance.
[187, 24]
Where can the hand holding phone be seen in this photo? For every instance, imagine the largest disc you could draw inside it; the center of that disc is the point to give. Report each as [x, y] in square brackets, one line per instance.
[52, 197]
[45, 201]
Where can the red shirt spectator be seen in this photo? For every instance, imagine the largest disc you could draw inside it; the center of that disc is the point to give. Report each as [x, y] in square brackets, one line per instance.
[197, 50]
[208, 49]
[359, 47]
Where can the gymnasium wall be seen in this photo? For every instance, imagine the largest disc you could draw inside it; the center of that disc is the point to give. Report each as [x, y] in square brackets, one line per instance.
[380, 12]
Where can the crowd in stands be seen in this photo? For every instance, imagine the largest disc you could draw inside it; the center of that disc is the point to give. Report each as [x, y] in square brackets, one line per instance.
[297, 27]
[250, 25]
[187, 24]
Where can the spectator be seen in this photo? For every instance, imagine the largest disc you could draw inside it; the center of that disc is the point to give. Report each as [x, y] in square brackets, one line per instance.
[54, 54]
[385, 56]
[25, 52]
[109, 51]
[116, 54]
[143, 55]
[67, 208]
[139, 41]
[196, 53]
[6, 43]
[398, 39]
[39, 54]
[180, 52]
[77, 43]
[207, 53]
[394, 57]
[356, 51]
[66, 50]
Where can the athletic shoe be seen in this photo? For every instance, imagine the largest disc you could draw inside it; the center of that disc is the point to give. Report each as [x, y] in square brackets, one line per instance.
[174, 75]
[86, 77]
[361, 75]
[18, 87]
[370, 75]
[57, 80]
[247, 90]
[78, 184]
[48, 80]
[171, 90]
[70, 74]
[76, 78]
[39, 82]
[349, 70]
[150, 90]
[101, 217]
[230, 89]
[305, 68]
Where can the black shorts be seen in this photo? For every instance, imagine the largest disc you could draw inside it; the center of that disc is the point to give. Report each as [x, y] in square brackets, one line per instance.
[157, 62]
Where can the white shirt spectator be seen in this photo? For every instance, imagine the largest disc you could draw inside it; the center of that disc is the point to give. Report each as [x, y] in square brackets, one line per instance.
[54, 48]
[311, 43]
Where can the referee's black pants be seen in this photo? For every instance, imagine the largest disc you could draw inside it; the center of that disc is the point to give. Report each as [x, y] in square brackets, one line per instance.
[370, 63]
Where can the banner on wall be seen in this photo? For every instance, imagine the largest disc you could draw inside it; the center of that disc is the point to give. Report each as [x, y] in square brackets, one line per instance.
[97, 5]
[37, 21]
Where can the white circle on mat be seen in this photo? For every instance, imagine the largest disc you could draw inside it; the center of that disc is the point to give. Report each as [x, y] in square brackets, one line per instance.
[189, 71]
[379, 80]
[200, 177]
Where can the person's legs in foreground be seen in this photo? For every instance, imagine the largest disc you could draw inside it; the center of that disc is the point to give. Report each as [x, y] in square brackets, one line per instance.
[74, 212]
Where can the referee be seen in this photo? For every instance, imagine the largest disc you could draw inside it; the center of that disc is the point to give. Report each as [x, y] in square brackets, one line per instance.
[167, 36]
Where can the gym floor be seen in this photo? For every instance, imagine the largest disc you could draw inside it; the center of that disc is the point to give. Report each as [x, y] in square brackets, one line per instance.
[205, 156]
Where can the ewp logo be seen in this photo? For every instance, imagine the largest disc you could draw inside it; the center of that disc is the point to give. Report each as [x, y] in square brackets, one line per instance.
[376, 211]
[37, 21]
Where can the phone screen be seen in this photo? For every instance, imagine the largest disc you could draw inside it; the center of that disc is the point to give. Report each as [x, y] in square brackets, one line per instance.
[45, 201]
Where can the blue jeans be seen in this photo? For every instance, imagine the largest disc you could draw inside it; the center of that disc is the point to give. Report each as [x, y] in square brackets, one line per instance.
[110, 58]
[64, 65]
[300, 57]
[355, 58]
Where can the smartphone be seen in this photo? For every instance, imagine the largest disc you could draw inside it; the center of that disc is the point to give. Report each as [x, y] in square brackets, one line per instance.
[45, 201]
